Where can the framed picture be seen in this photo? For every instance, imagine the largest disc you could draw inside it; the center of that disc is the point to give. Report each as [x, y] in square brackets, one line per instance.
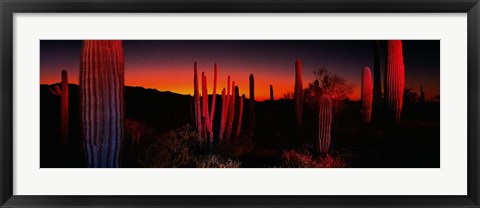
[247, 104]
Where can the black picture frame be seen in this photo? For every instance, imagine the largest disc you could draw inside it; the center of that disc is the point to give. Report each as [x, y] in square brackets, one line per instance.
[9, 7]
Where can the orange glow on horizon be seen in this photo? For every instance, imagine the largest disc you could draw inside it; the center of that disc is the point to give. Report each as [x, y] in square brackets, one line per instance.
[181, 81]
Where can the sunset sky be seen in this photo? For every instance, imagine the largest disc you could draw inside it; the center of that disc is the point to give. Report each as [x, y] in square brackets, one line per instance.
[167, 65]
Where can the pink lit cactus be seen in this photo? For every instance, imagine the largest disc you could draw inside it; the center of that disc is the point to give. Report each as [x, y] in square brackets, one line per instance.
[252, 103]
[298, 93]
[324, 124]
[64, 121]
[102, 101]
[231, 114]
[367, 90]
[271, 93]
[196, 95]
[223, 116]
[240, 115]
[394, 80]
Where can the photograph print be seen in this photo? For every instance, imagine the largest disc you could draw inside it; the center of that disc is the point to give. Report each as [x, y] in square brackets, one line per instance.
[239, 103]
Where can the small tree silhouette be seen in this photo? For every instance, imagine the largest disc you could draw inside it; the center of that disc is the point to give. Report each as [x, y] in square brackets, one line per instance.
[335, 87]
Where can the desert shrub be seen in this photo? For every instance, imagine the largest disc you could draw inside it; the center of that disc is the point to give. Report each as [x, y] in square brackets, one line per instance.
[214, 161]
[294, 159]
[297, 159]
[236, 148]
[136, 130]
[175, 149]
[330, 162]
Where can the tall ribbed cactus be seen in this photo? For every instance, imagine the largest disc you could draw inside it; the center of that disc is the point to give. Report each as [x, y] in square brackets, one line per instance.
[240, 116]
[367, 96]
[324, 124]
[214, 98]
[377, 86]
[205, 115]
[231, 114]
[64, 121]
[252, 104]
[271, 93]
[225, 107]
[223, 116]
[196, 96]
[394, 80]
[236, 111]
[102, 101]
[298, 93]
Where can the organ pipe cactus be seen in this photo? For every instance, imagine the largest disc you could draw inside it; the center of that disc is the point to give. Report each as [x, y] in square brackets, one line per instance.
[324, 124]
[102, 101]
[196, 95]
[225, 107]
[64, 121]
[271, 93]
[231, 114]
[207, 129]
[298, 93]
[394, 80]
[236, 111]
[223, 117]
[240, 115]
[367, 96]
[214, 98]
[204, 117]
[252, 103]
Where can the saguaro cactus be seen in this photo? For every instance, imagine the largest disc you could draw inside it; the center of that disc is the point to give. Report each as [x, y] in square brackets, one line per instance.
[298, 93]
[324, 124]
[196, 96]
[271, 93]
[102, 101]
[240, 115]
[394, 80]
[377, 86]
[231, 114]
[64, 121]
[252, 103]
[367, 96]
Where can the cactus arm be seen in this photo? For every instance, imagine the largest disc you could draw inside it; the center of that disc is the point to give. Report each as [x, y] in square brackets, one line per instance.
[57, 91]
